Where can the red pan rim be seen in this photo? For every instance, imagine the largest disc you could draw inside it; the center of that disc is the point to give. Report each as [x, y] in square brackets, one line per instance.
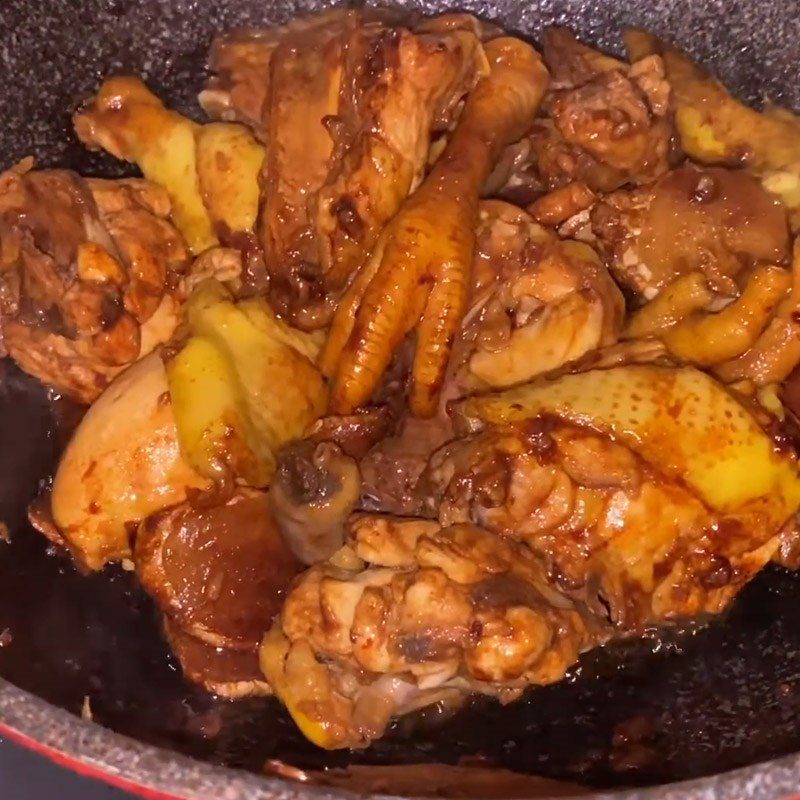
[156, 774]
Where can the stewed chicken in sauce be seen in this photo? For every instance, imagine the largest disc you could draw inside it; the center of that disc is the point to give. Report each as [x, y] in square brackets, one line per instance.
[425, 363]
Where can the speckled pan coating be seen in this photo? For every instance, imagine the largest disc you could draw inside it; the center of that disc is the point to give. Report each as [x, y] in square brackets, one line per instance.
[157, 771]
[54, 52]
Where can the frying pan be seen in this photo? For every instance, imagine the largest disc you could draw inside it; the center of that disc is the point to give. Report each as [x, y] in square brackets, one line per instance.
[709, 711]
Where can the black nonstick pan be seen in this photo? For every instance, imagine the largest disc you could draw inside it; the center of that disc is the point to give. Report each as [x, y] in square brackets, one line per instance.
[716, 705]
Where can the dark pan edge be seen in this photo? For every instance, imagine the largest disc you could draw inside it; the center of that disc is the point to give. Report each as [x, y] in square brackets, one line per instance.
[157, 773]
[130, 764]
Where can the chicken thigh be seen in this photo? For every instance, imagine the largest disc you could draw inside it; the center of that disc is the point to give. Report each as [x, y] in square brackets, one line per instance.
[88, 275]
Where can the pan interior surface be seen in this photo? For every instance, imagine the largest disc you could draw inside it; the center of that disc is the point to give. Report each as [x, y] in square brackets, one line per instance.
[697, 703]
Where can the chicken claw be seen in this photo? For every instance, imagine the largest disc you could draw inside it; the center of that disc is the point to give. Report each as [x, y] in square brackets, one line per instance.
[425, 253]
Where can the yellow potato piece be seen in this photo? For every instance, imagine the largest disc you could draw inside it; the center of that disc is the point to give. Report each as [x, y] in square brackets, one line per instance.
[240, 390]
[680, 420]
[228, 165]
[123, 463]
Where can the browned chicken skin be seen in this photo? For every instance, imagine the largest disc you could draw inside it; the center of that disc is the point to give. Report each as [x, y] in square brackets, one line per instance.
[584, 502]
[409, 613]
[714, 220]
[239, 61]
[536, 303]
[87, 275]
[347, 103]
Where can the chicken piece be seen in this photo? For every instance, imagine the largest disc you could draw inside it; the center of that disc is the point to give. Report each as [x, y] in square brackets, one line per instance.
[88, 275]
[218, 572]
[713, 220]
[716, 128]
[305, 80]
[135, 213]
[557, 163]
[536, 302]
[391, 470]
[348, 117]
[410, 614]
[242, 384]
[609, 119]
[385, 129]
[232, 674]
[647, 512]
[209, 171]
[122, 464]
[240, 63]
[418, 274]
[616, 113]
[354, 434]
[606, 123]
[580, 508]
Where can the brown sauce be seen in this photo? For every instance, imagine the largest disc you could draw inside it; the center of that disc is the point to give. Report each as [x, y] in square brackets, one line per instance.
[709, 699]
